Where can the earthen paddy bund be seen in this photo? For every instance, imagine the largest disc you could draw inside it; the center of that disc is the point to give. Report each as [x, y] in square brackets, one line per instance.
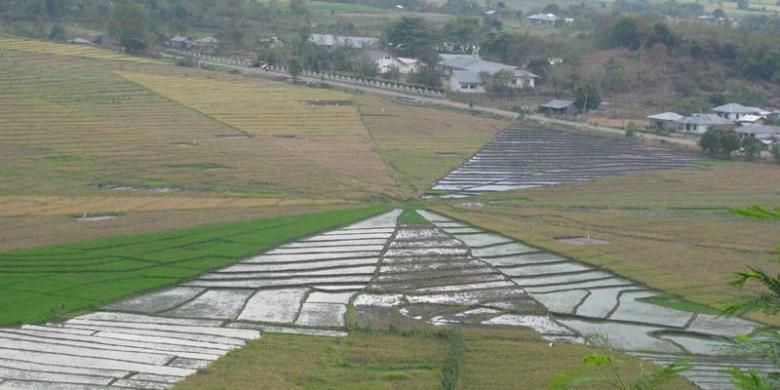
[442, 273]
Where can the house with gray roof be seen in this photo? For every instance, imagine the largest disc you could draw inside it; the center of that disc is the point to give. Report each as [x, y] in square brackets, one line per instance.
[735, 111]
[472, 63]
[768, 135]
[180, 42]
[700, 123]
[557, 106]
[664, 120]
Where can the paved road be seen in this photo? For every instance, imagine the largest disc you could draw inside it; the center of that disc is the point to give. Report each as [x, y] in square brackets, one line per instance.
[684, 142]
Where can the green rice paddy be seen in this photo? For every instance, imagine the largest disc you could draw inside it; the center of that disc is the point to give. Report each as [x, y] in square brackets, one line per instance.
[41, 284]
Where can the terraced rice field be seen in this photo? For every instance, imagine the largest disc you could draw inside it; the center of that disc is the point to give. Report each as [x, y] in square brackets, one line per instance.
[73, 125]
[526, 158]
[444, 273]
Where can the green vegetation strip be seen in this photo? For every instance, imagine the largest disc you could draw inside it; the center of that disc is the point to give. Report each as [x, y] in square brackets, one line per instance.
[43, 284]
[758, 212]
[410, 217]
[454, 363]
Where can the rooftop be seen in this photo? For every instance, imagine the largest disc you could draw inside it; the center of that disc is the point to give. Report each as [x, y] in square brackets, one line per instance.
[666, 116]
[759, 131]
[704, 119]
[473, 63]
[557, 104]
[736, 108]
[466, 76]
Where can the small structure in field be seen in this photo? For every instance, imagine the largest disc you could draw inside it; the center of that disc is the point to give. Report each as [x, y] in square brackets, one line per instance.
[664, 120]
[700, 123]
[557, 107]
[735, 111]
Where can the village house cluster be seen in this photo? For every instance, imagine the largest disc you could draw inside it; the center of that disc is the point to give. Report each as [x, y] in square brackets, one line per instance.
[464, 72]
[746, 121]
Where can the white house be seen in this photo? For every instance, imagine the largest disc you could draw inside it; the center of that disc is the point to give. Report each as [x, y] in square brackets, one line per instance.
[548, 19]
[735, 111]
[466, 81]
[472, 63]
[330, 40]
[700, 123]
[386, 62]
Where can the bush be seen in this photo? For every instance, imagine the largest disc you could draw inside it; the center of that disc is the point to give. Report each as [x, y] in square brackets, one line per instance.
[187, 62]
[776, 152]
[631, 130]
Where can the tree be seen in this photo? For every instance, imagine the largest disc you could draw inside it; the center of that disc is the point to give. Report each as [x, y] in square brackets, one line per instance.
[588, 96]
[729, 142]
[411, 37]
[551, 8]
[766, 342]
[602, 371]
[499, 83]
[752, 148]
[130, 23]
[298, 7]
[661, 34]
[631, 130]
[426, 76]
[295, 67]
[710, 142]
[719, 14]
[57, 33]
[776, 151]
[614, 76]
[625, 33]
[743, 4]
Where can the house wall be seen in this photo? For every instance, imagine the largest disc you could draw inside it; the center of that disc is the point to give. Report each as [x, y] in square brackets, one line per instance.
[456, 86]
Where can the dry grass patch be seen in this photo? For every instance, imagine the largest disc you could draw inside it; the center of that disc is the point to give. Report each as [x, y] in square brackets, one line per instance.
[670, 230]
[42, 230]
[519, 358]
[359, 361]
[420, 145]
[14, 43]
[493, 359]
[72, 123]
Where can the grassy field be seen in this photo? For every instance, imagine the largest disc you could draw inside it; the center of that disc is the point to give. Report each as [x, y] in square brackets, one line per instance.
[73, 123]
[493, 359]
[671, 230]
[420, 145]
[36, 230]
[45, 283]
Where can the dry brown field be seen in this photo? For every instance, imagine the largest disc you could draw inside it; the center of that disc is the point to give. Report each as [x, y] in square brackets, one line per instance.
[420, 145]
